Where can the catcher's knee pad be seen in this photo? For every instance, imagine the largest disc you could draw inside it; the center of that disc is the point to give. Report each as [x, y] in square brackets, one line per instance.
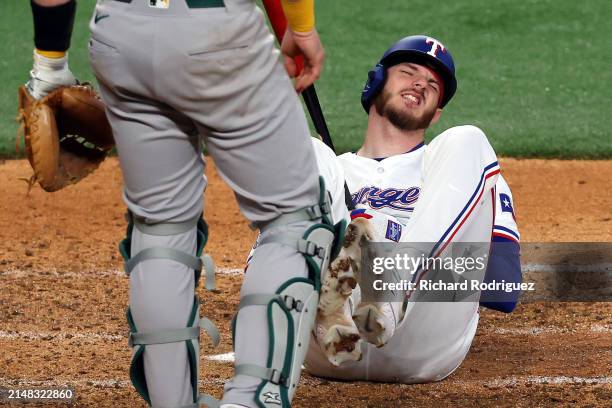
[291, 310]
[188, 334]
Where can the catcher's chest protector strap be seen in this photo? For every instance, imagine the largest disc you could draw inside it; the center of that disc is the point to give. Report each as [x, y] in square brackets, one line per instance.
[189, 334]
[292, 308]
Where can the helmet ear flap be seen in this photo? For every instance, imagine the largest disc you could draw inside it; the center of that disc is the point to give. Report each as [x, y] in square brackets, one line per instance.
[374, 84]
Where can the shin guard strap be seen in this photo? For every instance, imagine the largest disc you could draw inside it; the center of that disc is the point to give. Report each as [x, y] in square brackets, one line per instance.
[163, 336]
[203, 400]
[175, 335]
[258, 299]
[269, 374]
[304, 246]
[312, 213]
[164, 228]
[163, 253]
[209, 272]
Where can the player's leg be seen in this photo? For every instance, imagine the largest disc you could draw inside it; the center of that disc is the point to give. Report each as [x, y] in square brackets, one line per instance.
[267, 337]
[335, 331]
[164, 195]
[340, 308]
[459, 172]
[159, 152]
[430, 341]
[376, 318]
[258, 136]
[459, 167]
[434, 337]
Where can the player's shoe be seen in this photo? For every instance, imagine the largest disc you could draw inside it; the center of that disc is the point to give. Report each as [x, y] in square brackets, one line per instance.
[335, 330]
[338, 336]
[376, 322]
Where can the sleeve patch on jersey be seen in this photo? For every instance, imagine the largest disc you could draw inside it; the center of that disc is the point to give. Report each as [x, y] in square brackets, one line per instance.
[394, 231]
[506, 203]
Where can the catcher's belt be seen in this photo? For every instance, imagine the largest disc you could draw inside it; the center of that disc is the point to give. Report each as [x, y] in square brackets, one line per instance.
[66, 134]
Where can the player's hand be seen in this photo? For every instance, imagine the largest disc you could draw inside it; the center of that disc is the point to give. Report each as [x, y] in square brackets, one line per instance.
[309, 46]
[48, 74]
[40, 85]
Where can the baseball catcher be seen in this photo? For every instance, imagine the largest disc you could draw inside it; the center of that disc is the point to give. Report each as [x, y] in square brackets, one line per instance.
[174, 75]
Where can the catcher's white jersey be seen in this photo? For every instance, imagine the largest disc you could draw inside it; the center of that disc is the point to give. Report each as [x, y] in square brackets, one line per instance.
[433, 338]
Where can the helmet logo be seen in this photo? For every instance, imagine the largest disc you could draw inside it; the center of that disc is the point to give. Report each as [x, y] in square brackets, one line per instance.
[435, 46]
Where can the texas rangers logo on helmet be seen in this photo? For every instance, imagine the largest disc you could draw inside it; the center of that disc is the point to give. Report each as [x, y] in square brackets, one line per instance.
[435, 46]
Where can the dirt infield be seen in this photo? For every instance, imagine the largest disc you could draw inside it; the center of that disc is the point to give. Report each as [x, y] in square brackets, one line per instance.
[63, 298]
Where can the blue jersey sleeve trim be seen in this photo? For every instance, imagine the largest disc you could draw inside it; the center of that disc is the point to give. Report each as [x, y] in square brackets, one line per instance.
[508, 230]
[504, 265]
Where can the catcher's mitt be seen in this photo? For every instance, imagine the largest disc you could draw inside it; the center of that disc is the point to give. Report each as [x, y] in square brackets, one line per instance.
[66, 134]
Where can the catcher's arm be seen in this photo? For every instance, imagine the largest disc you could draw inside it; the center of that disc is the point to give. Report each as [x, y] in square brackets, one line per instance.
[53, 22]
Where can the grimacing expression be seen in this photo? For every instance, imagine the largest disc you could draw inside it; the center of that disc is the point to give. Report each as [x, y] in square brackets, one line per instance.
[410, 97]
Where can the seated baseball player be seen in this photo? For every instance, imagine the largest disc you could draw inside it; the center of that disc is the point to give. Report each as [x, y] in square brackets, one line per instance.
[446, 192]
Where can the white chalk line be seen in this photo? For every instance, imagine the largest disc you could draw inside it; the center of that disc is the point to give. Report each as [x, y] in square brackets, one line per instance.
[222, 358]
[82, 382]
[601, 267]
[55, 273]
[548, 380]
[13, 335]
[535, 331]
[92, 273]
[512, 381]
[57, 336]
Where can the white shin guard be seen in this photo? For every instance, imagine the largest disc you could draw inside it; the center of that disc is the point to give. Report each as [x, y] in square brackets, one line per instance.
[164, 313]
[290, 310]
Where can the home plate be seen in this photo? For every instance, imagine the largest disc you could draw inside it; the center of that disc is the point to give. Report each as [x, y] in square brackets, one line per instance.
[224, 358]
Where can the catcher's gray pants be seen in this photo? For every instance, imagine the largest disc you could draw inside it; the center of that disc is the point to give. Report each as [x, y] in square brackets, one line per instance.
[169, 77]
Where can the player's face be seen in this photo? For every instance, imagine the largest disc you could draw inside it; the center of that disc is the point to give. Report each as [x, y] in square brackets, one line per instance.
[410, 97]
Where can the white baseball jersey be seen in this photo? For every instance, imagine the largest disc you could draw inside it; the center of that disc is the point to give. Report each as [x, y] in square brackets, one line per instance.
[470, 197]
[392, 186]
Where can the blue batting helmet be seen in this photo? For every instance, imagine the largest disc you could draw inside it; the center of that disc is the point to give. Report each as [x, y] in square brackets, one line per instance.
[419, 49]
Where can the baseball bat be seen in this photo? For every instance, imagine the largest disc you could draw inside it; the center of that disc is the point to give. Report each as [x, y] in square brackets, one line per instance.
[275, 13]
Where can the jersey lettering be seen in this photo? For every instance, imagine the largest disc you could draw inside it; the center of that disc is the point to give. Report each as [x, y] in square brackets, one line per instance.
[395, 198]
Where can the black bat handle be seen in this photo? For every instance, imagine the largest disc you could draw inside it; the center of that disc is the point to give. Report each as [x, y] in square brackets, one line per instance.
[316, 113]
